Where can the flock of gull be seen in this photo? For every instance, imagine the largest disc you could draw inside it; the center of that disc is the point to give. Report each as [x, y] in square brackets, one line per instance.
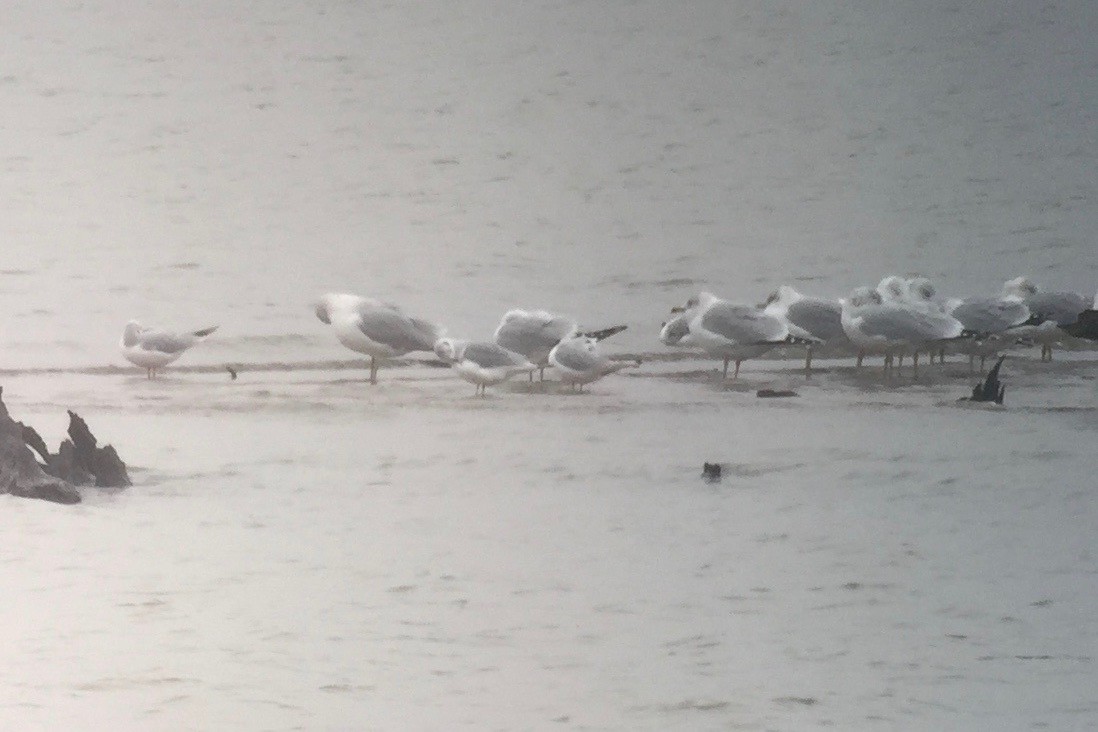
[897, 318]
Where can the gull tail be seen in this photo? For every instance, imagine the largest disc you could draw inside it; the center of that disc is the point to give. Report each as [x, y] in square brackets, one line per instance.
[601, 335]
[205, 331]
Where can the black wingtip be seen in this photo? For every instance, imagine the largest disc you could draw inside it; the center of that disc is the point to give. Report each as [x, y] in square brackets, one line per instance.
[603, 334]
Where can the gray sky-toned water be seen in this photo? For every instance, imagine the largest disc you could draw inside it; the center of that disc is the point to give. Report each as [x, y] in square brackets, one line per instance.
[226, 162]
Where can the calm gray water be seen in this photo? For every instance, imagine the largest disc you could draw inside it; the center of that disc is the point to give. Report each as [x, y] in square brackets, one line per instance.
[304, 552]
[227, 162]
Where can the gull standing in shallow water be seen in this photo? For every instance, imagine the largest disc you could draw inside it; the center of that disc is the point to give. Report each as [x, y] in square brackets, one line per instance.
[894, 327]
[811, 319]
[724, 330]
[482, 364]
[152, 349]
[579, 361]
[990, 320]
[1053, 310]
[375, 328]
[534, 333]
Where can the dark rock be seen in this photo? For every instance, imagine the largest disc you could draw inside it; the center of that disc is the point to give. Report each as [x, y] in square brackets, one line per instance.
[20, 473]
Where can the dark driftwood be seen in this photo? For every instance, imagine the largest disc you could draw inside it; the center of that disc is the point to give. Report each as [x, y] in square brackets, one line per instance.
[79, 461]
[20, 473]
[991, 390]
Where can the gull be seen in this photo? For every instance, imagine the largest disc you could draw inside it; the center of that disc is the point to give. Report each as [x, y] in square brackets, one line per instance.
[377, 329]
[1053, 310]
[534, 333]
[724, 330]
[989, 320]
[811, 319]
[875, 325]
[894, 288]
[482, 364]
[579, 362]
[918, 292]
[152, 349]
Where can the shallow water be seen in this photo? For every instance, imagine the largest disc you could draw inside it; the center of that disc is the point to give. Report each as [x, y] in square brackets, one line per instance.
[304, 551]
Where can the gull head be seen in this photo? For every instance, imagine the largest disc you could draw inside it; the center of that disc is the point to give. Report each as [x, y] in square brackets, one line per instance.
[784, 294]
[922, 289]
[1019, 287]
[130, 333]
[862, 296]
[447, 349]
[675, 331]
[893, 288]
[327, 304]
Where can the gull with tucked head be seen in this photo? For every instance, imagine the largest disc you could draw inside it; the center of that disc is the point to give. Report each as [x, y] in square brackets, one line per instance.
[892, 327]
[374, 328]
[579, 361]
[724, 330]
[534, 333]
[1051, 311]
[810, 319]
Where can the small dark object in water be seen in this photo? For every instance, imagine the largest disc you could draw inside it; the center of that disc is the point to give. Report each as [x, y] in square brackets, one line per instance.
[711, 472]
[232, 372]
[991, 390]
[775, 393]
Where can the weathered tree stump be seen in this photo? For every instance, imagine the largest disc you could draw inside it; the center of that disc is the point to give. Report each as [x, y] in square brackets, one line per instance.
[79, 461]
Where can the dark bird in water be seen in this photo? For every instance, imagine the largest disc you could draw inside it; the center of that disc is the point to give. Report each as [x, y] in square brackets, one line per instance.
[991, 390]
[232, 372]
[711, 472]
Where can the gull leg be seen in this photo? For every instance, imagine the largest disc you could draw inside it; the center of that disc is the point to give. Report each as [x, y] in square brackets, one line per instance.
[373, 370]
[900, 365]
[726, 367]
[861, 357]
[942, 355]
[972, 363]
[808, 362]
[915, 364]
[983, 360]
[737, 374]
